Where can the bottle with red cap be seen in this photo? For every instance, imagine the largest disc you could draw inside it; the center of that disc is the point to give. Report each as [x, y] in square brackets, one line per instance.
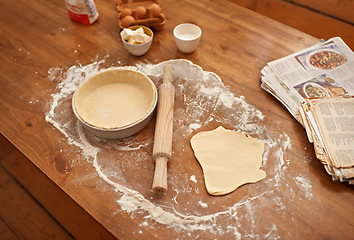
[83, 11]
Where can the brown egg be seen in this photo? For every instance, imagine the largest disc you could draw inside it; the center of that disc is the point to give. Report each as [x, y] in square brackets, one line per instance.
[127, 21]
[140, 12]
[125, 12]
[155, 10]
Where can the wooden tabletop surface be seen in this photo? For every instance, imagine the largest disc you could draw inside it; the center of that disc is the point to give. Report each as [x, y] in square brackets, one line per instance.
[41, 47]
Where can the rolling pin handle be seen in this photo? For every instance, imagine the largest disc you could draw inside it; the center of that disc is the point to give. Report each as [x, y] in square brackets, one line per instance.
[159, 184]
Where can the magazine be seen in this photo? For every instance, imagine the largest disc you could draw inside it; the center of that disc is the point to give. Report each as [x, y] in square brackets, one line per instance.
[316, 85]
[323, 70]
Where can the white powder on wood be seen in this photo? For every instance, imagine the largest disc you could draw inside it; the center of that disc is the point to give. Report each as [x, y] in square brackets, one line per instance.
[201, 99]
[204, 205]
[305, 185]
[193, 179]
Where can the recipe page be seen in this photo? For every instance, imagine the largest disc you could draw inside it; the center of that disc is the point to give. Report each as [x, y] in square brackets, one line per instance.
[335, 119]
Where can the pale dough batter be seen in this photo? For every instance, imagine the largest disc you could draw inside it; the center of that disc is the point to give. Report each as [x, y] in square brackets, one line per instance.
[113, 99]
[228, 158]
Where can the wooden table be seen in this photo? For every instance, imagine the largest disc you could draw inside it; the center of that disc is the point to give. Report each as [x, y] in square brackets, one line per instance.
[297, 200]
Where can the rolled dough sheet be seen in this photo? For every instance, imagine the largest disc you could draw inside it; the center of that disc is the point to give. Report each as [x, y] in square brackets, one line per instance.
[228, 158]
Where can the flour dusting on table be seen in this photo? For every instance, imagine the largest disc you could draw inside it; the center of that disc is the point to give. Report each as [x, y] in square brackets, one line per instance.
[202, 102]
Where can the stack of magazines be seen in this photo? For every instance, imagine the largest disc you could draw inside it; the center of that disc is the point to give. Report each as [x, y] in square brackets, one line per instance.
[316, 85]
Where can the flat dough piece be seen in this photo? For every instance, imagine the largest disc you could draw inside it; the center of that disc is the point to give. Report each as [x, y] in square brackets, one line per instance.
[228, 158]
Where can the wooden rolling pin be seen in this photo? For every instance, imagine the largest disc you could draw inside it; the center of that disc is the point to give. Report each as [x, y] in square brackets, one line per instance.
[163, 131]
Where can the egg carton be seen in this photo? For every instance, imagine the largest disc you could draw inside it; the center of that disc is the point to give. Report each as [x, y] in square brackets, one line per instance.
[148, 20]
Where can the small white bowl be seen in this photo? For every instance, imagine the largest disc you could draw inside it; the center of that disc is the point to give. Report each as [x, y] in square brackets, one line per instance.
[115, 103]
[139, 49]
[187, 37]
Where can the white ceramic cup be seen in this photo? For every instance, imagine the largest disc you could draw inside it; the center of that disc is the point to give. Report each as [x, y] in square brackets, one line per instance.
[187, 37]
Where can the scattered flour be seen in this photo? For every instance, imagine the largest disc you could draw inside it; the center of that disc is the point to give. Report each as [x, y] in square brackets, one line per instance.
[202, 101]
[305, 185]
[194, 126]
[193, 179]
[204, 205]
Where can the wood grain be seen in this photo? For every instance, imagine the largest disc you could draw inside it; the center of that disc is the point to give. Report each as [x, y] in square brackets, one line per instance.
[21, 211]
[162, 150]
[236, 44]
[341, 9]
[53, 202]
[338, 9]
[317, 24]
[322, 19]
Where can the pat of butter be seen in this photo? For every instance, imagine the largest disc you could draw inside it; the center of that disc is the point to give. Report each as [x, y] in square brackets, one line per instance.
[137, 36]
